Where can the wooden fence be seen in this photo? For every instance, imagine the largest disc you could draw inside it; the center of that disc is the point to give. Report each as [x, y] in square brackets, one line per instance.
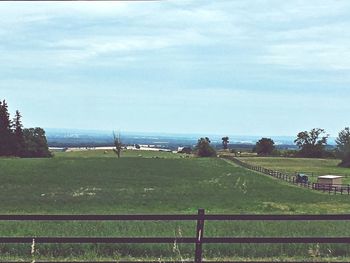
[198, 240]
[329, 188]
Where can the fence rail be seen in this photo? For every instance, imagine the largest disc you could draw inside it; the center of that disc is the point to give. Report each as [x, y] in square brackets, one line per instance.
[198, 240]
[329, 188]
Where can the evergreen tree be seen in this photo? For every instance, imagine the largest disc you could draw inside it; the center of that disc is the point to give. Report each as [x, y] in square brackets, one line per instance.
[18, 135]
[6, 138]
[16, 141]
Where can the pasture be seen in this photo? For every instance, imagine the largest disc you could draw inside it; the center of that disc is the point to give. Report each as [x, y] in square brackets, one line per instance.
[303, 165]
[94, 182]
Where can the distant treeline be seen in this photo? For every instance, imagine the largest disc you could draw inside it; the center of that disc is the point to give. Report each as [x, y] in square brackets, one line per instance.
[16, 141]
[310, 144]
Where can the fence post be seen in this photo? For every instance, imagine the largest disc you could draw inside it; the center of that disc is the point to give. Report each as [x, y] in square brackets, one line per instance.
[199, 236]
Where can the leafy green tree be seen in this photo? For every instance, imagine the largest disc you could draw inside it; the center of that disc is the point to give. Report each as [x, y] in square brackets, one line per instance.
[265, 146]
[35, 143]
[225, 141]
[204, 149]
[118, 144]
[343, 147]
[312, 144]
[6, 138]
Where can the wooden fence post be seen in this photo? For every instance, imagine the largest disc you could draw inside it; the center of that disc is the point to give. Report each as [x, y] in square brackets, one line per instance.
[199, 236]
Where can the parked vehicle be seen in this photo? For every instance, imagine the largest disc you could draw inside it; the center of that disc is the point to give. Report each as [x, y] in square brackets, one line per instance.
[302, 178]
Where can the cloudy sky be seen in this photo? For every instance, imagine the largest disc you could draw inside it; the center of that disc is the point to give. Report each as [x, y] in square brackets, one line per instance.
[219, 67]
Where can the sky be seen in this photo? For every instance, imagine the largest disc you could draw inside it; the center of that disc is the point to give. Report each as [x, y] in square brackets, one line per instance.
[259, 67]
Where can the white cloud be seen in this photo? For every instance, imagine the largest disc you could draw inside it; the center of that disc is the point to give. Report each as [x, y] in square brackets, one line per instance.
[308, 55]
[293, 34]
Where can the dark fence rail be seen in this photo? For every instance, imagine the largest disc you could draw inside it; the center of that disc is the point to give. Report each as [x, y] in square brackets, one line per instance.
[291, 178]
[198, 240]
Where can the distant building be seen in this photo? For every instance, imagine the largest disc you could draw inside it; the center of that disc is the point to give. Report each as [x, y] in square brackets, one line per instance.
[329, 179]
[186, 150]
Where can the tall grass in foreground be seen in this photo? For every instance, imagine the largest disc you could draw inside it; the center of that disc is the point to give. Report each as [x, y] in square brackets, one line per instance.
[178, 229]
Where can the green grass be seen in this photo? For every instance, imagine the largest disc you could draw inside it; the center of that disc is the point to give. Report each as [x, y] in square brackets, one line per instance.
[304, 165]
[125, 153]
[94, 182]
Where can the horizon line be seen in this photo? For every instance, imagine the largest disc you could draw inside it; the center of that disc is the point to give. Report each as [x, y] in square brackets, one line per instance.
[167, 133]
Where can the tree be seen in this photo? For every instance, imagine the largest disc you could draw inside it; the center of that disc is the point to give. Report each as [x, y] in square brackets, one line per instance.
[118, 144]
[18, 136]
[14, 141]
[264, 146]
[225, 141]
[35, 143]
[204, 149]
[6, 138]
[311, 144]
[343, 147]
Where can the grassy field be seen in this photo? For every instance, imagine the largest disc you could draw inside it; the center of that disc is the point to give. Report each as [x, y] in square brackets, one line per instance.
[94, 182]
[303, 165]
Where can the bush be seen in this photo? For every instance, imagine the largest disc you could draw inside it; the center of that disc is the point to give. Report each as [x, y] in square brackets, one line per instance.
[345, 164]
[289, 153]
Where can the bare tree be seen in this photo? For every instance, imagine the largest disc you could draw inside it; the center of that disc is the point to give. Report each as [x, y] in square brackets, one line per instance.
[117, 143]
